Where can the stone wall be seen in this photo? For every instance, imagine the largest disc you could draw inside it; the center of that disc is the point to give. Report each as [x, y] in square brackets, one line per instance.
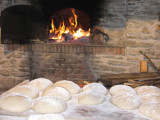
[135, 25]
[57, 62]
[132, 25]
[7, 3]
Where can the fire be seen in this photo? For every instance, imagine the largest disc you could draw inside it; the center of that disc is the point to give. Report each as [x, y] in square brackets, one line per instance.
[74, 29]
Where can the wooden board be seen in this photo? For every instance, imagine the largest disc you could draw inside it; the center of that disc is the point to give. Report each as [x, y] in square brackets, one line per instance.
[152, 78]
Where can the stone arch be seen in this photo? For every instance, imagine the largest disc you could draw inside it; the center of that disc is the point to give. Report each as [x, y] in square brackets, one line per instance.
[9, 3]
[21, 24]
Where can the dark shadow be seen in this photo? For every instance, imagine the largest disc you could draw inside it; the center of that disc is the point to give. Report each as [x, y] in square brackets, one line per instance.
[91, 7]
[21, 24]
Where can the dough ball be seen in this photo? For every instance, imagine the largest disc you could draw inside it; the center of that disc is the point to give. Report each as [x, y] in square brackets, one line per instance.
[150, 98]
[72, 87]
[121, 89]
[150, 110]
[40, 83]
[45, 117]
[26, 90]
[95, 86]
[126, 101]
[91, 98]
[49, 105]
[58, 92]
[15, 102]
[146, 90]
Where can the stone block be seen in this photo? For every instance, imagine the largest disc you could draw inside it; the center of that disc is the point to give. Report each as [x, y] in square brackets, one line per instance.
[7, 82]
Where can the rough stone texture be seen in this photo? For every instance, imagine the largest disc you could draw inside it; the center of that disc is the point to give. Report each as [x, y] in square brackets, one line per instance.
[7, 3]
[114, 13]
[132, 25]
[56, 62]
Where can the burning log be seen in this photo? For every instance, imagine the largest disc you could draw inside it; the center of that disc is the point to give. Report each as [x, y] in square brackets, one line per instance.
[67, 31]
[67, 36]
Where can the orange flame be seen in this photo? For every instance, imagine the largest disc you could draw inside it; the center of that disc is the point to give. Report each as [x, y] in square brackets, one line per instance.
[74, 29]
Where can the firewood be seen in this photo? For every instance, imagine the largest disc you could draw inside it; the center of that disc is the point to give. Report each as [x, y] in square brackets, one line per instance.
[67, 36]
[132, 79]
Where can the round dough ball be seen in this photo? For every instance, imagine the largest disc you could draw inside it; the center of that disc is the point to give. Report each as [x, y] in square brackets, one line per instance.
[46, 117]
[146, 90]
[26, 90]
[91, 98]
[49, 105]
[121, 89]
[150, 110]
[15, 102]
[40, 83]
[150, 98]
[72, 87]
[95, 86]
[126, 101]
[58, 92]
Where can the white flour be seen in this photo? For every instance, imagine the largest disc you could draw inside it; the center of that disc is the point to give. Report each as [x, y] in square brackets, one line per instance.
[75, 111]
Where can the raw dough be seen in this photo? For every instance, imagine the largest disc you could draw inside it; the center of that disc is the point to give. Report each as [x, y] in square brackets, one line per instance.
[72, 87]
[48, 105]
[126, 101]
[40, 83]
[26, 90]
[46, 117]
[58, 92]
[91, 98]
[95, 86]
[150, 98]
[15, 102]
[146, 90]
[121, 89]
[150, 110]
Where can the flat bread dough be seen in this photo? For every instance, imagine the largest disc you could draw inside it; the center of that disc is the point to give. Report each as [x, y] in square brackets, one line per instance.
[91, 98]
[46, 117]
[121, 89]
[126, 101]
[151, 110]
[40, 83]
[72, 87]
[15, 102]
[95, 86]
[58, 92]
[26, 90]
[49, 105]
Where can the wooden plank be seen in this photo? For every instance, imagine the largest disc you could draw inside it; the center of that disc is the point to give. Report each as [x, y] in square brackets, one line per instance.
[130, 75]
[114, 79]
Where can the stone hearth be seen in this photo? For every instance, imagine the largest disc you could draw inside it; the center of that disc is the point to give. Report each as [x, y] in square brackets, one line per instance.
[132, 25]
[56, 62]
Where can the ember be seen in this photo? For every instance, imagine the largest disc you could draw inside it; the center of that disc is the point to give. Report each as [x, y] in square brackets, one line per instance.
[69, 33]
